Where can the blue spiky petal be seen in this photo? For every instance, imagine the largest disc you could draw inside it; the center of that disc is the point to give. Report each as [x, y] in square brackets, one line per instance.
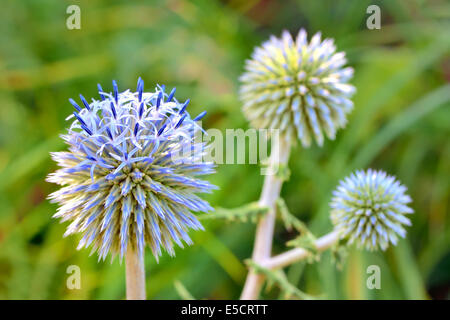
[122, 184]
[369, 208]
[298, 87]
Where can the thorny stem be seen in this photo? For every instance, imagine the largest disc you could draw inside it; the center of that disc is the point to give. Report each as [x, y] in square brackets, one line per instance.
[264, 231]
[298, 254]
[135, 275]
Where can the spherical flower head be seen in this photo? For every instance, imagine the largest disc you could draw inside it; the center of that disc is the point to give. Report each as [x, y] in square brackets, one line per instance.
[123, 186]
[369, 208]
[298, 87]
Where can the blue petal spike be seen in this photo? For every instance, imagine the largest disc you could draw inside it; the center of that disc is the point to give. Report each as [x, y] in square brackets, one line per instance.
[158, 100]
[184, 106]
[113, 110]
[76, 106]
[116, 91]
[180, 121]
[85, 128]
[141, 110]
[79, 118]
[172, 93]
[200, 116]
[100, 89]
[140, 88]
[161, 130]
[86, 104]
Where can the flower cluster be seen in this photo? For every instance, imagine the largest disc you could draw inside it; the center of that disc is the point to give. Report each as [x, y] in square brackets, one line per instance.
[123, 186]
[298, 87]
[368, 208]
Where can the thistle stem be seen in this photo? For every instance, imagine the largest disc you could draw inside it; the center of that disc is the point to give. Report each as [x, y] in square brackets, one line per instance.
[264, 231]
[298, 254]
[135, 275]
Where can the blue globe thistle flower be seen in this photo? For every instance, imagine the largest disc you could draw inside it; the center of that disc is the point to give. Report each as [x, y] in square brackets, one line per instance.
[369, 208]
[298, 87]
[123, 184]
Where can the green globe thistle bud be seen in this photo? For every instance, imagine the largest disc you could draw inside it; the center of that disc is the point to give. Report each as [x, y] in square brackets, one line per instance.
[369, 208]
[298, 87]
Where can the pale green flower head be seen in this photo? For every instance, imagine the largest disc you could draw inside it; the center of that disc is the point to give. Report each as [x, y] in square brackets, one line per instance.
[369, 208]
[298, 87]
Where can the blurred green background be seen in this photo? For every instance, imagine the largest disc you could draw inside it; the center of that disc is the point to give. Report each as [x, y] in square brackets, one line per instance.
[401, 124]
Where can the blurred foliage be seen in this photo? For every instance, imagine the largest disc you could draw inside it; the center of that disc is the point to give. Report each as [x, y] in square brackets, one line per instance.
[400, 124]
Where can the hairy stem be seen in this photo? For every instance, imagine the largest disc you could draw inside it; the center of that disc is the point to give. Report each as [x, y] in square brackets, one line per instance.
[264, 231]
[135, 275]
[297, 254]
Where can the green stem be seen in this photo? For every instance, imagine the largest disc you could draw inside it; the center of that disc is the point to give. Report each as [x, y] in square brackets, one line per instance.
[264, 231]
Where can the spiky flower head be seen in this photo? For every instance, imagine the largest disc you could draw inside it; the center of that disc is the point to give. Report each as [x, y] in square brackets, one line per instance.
[369, 208]
[298, 87]
[123, 186]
